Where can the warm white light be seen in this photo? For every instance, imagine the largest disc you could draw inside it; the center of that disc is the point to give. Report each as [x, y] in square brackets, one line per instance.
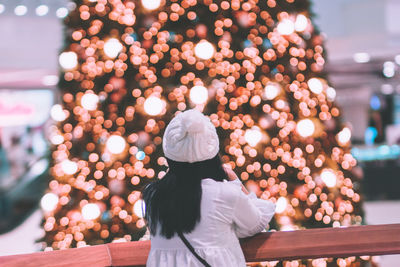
[57, 113]
[198, 94]
[204, 50]
[253, 136]
[344, 135]
[2, 8]
[396, 58]
[271, 90]
[151, 4]
[361, 57]
[331, 93]
[62, 12]
[286, 27]
[89, 101]
[49, 202]
[389, 69]
[281, 204]
[301, 23]
[315, 85]
[139, 208]
[112, 47]
[116, 144]
[50, 80]
[153, 105]
[90, 211]
[20, 10]
[305, 128]
[328, 176]
[56, 139]
[69, 167]
[68, 60]
[387, 89]
[42, 10]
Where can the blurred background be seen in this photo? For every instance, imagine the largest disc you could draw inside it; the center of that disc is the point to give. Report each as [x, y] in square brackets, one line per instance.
[363, 44]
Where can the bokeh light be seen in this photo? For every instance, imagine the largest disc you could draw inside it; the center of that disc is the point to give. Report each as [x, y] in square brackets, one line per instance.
[89, 101]
[49, 202]
[116, 144]
[90, 211]
[305, 127]
[198, 94]
[68, 60]
[204, 50]
[153, 106]
[328, 176]
[151, 4]
[112, 47]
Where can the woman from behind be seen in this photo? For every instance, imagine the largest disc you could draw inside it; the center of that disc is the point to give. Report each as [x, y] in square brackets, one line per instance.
[198, 210]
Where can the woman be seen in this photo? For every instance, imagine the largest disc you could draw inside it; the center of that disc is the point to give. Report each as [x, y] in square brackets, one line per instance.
[194, 215]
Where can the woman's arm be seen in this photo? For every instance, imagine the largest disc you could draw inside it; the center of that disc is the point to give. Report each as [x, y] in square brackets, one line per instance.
[232, 176]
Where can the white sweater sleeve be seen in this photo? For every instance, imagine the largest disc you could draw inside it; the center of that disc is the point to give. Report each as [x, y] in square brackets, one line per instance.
[251, 215]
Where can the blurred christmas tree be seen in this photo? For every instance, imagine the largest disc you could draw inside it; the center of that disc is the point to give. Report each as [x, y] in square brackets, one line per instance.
[256, 67]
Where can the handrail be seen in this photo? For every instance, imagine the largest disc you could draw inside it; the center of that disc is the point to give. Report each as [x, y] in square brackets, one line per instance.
[301, 244]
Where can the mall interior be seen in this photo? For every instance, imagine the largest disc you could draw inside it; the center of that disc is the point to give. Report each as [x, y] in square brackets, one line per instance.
[361, 40]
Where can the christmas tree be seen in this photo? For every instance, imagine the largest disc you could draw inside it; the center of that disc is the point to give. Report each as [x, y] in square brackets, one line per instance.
[255, 67]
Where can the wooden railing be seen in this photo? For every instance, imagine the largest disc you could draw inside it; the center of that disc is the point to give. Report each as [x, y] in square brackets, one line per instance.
[302, 244]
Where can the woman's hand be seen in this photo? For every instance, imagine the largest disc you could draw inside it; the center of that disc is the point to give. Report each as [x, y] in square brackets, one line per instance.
[232, 176]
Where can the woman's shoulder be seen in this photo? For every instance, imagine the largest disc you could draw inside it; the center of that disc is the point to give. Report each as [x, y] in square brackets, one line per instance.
[228, 191]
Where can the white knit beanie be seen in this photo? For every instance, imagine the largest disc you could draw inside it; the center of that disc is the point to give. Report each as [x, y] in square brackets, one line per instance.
[190, 137]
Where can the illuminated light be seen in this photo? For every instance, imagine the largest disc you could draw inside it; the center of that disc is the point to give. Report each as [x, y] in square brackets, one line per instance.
[204, 50]
[42, 10]
[253, 136]
[286, 27]
[69, 167]
[90, 211]
[2, 8]
[151, 4]
[89, 101]
[396, 58]
[62, 12]
[68, 60]
[271, 90]
[153, 105]
[140, 155]
[301, 23]
[328, 176]
[344, 135]
[305, 127]
[112, 47]
[49, 202]
[57, 113]
[281, 205]
[361, 57]
[139, 208]
[389, 69]
[315, 85]
[370, 134]
[331, 93]
[387, 89]
[198, 94]
[50, 80]
[57, 139]
[116, 144]
[20, 10]
[375, 102]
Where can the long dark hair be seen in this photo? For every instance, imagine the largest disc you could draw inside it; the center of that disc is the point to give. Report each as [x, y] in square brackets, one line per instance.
[173, 202]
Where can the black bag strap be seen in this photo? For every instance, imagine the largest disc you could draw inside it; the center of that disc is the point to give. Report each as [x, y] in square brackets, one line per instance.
[189, 246]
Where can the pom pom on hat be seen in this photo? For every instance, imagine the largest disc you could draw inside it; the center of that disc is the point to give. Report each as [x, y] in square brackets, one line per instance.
[190, 137]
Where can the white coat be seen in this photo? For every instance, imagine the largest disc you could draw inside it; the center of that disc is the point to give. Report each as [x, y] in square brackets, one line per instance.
[226, 215]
